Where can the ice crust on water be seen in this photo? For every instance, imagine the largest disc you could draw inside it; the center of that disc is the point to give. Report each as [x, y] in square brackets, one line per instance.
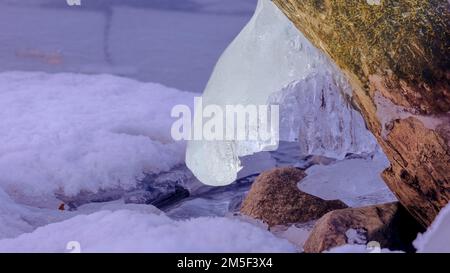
[355, 181]
[270, 55]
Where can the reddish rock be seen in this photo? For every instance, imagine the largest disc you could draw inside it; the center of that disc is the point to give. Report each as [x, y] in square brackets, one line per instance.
[275, 199]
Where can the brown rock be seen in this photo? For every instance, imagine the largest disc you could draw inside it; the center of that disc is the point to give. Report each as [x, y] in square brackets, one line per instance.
[389, 224]
[398, 51]
[275, 199]
[416, 159]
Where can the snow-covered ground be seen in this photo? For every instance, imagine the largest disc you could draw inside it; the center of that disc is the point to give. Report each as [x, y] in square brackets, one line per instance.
[135, 231]
[72, 133]
[16, 219]
[69, 133]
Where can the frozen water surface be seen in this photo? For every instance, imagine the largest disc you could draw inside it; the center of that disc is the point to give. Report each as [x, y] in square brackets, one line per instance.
[174, 42]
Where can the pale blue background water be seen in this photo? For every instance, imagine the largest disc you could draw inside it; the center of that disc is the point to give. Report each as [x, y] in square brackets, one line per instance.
[173, 42]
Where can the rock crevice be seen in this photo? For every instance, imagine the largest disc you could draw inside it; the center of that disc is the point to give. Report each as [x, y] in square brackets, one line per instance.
[397, 51]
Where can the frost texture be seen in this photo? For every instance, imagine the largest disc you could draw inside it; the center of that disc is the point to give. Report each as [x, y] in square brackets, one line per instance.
[437, 238]
[270, 55]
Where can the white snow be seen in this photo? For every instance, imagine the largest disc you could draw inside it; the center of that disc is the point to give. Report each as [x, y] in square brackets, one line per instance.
[71, 132]
[360, 249]
[437, 238]
[132, 231]
[268, 55]
[16, 219]
[357, 182]
[297, 234]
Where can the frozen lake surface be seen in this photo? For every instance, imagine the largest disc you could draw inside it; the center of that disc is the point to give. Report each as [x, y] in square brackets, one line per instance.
[176, 42]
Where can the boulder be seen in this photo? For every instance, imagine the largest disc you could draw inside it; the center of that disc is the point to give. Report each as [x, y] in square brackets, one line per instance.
[388, 224]
[395, 56]
[275, 199]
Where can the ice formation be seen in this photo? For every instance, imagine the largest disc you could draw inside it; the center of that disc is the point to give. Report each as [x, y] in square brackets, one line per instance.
[355, 181]
[268, 56]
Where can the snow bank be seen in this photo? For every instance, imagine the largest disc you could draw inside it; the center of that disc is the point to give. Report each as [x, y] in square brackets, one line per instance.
[437, 238]
[70, 132]
[132, 231]
[16, 219]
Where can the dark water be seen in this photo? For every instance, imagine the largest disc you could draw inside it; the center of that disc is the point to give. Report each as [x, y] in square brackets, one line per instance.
[220, 201]
[179, 194]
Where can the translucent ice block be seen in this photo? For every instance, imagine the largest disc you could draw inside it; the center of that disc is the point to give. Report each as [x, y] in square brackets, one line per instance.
[272, 62]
